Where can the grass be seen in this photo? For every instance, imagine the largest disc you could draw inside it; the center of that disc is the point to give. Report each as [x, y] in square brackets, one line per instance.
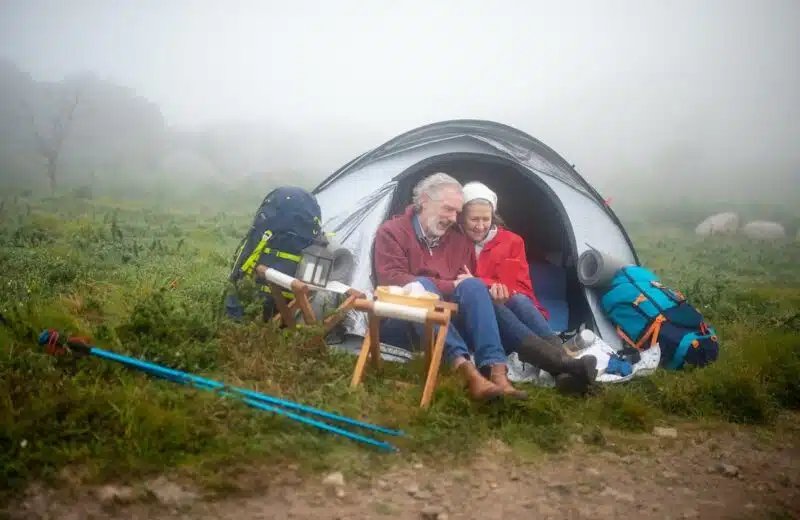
[147, 282]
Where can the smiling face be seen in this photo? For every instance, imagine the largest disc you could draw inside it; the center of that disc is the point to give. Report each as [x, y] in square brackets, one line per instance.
[477, 219]
[438, 214]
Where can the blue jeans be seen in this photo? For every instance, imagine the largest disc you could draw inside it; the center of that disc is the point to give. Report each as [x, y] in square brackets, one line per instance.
[474, 321]
[519, 318]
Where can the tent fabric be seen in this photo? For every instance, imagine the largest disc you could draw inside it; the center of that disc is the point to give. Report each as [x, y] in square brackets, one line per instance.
[362, 194]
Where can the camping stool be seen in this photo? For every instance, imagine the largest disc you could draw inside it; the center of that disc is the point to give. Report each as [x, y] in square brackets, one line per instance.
[376, 310]
[278, 281]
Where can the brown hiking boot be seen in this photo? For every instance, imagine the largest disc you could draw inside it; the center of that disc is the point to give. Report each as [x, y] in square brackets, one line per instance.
[499, 376]
[480, 388]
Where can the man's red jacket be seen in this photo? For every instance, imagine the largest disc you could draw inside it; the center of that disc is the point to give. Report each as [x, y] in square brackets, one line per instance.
[401, 254]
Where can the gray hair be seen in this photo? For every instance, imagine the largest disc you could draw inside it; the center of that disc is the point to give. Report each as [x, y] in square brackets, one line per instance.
[431, 186]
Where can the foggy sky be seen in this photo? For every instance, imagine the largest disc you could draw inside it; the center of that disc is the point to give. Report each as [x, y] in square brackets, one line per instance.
[612, 85]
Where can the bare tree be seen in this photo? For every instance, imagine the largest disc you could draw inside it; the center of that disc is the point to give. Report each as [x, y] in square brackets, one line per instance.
[50, 144]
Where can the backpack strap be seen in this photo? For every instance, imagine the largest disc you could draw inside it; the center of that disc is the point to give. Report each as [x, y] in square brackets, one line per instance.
[687, 341]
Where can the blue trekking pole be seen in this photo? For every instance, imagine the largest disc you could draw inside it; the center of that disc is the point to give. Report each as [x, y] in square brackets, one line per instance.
[55, 346]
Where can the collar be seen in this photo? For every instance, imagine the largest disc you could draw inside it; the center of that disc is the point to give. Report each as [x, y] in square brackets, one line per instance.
[480, 244]
[431, 242]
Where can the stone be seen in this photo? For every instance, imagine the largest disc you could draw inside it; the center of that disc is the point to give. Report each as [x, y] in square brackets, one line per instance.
[728, 470]
[118, 494]
[335, 479]
[423, 495]
[561, 489]
[619, 495]
[764, 230]
[660, 431]
[431, 513]
[721, 223]
[170, 493]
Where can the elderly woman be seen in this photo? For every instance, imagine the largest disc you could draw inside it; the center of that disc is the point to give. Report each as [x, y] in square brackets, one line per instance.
[503, 267]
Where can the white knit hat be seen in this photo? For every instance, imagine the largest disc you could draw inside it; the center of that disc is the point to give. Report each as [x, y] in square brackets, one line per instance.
[478, 190]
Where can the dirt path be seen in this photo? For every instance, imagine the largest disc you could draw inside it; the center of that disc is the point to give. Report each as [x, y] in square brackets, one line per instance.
[697, 474]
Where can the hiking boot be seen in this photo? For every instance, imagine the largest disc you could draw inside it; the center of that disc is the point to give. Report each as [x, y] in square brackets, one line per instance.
[555, 340]
[578, 383]
[572, 375]
[499, 376]
[480, 388]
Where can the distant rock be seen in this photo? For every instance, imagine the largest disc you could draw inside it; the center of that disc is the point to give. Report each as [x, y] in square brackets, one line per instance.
[721, 223]
[764, 230]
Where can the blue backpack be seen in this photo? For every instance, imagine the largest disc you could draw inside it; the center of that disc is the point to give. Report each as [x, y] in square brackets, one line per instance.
[288, 220]
[646, 312]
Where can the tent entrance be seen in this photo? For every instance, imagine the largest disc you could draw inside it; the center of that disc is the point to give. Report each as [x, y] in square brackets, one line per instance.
[530, 209]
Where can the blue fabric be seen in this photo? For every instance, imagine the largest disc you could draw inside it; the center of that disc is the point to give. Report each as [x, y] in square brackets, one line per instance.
[474, 324]
[550, 286]
[559, 314]
[549, 281]
[619, 367]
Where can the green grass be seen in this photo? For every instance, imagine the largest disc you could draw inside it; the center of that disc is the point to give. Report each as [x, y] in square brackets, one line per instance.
[147, 282]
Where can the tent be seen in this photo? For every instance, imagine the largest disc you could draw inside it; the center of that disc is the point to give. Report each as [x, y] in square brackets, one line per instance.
[541, 197]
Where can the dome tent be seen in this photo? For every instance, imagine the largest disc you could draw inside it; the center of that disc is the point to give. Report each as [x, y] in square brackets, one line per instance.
[542, 198]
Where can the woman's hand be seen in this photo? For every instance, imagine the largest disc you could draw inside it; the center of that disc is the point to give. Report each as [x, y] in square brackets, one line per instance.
[499, 292]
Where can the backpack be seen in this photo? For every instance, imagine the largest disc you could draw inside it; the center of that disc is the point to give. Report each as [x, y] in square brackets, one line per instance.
[287, 221]
[645, 312]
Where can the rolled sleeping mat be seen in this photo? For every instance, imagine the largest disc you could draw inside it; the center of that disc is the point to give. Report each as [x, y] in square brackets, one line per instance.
[597, 269]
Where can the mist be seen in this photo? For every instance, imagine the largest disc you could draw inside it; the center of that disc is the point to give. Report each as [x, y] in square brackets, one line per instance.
[642, 96]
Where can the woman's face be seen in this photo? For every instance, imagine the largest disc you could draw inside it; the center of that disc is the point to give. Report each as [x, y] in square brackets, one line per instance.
[477, 220]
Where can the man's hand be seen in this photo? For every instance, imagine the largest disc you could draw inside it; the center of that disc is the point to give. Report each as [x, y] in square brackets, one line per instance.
[499, 292]
[460, 278]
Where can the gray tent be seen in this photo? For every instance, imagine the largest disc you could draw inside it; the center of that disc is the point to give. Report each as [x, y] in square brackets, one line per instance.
[541, 197]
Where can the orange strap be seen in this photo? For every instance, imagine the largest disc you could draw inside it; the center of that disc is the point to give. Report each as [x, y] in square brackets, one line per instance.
[651, 333]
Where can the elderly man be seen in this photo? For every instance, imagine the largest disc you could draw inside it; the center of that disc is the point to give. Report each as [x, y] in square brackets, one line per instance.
[422, 245]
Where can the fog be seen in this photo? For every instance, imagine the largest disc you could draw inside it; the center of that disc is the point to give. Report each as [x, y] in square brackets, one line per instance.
[634, 93]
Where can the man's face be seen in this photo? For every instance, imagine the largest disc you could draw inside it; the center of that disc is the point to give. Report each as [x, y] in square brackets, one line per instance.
[437, 216]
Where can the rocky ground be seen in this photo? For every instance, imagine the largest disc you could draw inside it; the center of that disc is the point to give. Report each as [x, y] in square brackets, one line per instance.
[730, 473]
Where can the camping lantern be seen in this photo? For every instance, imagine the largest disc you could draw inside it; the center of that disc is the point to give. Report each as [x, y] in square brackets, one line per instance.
[315, 266]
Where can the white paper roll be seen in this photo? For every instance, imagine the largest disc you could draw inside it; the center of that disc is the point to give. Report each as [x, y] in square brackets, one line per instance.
[277, 277]
[403, 312]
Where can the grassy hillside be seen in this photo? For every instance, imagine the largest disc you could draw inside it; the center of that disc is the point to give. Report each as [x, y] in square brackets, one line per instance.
[147, 281]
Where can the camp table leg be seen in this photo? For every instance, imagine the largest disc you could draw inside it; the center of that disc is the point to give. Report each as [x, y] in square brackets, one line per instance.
[370, 347]
[334, 319]
[300, 291]
[287, 314]
[434, 351]
[290, 307]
